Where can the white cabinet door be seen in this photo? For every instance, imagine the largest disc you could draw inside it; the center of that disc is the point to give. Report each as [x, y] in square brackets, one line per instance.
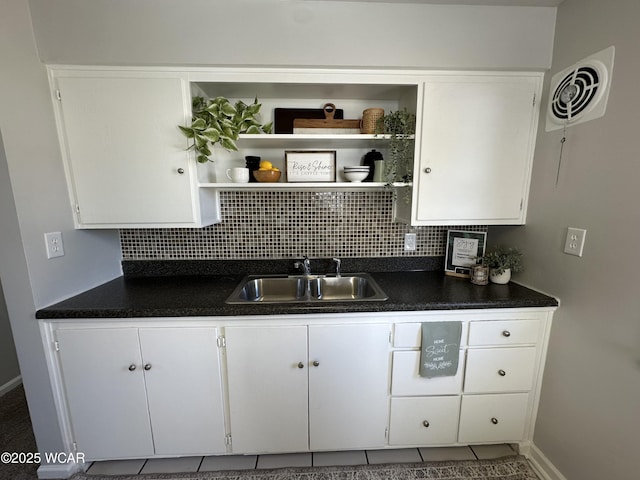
[348, 386]
[104, 385]
[268, 389]
[182, 375]
[124, 150]
[478, 135]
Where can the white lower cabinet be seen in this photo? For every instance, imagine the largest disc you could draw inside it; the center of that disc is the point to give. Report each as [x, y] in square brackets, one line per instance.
[493, 418]
[295, 383]
[424, 420]
[321, 387]
[135, 393]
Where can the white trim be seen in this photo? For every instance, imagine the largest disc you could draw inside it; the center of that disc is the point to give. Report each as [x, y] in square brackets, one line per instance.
[10, 385]
[543, 466]
[57, 470]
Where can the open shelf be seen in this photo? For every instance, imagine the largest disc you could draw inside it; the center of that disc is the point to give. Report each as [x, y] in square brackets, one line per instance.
[312, 140]
[303, 186]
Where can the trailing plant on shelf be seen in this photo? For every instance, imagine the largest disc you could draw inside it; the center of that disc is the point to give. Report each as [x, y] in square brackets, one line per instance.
[400, 126]
[501, 259]
[218, 121]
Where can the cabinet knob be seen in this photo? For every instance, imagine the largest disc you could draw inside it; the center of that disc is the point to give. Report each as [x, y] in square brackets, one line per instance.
[427, 170]
[502, 373]
[316, 363]
[425, 423]
[494, 420]
[132, 368]
[300, 365]
[506, 333]
[147, 366]
[181, 171]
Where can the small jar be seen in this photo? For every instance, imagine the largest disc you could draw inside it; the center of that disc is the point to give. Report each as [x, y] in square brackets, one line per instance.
[480, 275]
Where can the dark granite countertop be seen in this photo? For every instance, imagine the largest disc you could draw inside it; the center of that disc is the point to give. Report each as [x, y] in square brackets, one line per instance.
[186, 295]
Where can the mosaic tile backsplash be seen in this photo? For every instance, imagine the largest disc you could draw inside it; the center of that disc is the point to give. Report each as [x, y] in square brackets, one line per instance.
[271, 225]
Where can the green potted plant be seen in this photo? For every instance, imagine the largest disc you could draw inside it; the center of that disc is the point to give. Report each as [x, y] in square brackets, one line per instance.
[400, 126]
[218, 121]
[502, 261]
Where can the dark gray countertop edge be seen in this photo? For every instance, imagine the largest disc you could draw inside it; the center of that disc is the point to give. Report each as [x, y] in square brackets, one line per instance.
[205, 296]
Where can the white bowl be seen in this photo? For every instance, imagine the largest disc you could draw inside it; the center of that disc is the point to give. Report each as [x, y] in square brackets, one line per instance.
[356, 176]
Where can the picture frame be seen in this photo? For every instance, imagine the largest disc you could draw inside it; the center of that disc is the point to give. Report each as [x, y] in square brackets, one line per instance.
[463, 251]
[310, 165]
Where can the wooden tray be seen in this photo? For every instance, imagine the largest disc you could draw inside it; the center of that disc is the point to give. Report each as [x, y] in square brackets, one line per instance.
[283, 117]
[329, 124]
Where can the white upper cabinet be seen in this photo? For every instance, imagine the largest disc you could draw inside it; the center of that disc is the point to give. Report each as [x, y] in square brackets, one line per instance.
[127, 164]
[478, 136]
[126, 160]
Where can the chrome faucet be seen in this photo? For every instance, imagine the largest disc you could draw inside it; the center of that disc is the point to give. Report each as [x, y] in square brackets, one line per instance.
[305, 265]
[338, 262]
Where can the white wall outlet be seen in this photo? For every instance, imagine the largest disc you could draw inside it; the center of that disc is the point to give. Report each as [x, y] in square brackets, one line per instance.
[574, 243]
[410, 242]
[53, 241]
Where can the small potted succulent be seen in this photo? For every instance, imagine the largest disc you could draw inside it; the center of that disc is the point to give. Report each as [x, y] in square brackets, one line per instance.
[218, 121]
[502, 262]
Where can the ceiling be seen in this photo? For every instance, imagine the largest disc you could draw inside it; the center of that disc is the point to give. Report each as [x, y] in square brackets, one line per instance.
[519, 3]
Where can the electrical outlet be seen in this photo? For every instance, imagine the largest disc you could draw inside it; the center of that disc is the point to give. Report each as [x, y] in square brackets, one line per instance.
[574, 243]
[53, 241]
[410, 242]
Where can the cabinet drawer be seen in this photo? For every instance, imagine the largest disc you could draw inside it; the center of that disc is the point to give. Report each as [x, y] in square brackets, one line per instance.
[509, 332]
[406, 380]
[493, 418]
[424, 421]
[409, 335]
[499, 370]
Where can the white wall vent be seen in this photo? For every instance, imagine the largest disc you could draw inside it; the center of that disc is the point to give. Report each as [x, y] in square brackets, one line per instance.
[580, 93]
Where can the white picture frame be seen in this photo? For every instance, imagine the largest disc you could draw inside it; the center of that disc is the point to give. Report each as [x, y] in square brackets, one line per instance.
[310, 165]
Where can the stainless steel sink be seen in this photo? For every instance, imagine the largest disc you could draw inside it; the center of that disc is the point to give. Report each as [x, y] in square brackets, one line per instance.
[357, 287]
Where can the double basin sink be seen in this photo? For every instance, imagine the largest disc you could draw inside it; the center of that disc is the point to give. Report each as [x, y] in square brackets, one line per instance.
[357, 287]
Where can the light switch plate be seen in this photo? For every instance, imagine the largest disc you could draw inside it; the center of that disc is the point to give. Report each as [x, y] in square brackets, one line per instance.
[574, 244]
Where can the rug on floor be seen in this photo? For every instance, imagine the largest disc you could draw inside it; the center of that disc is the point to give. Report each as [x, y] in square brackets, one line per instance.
[507, 468]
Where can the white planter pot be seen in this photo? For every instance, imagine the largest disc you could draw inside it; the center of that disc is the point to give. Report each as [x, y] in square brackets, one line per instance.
[503, 278]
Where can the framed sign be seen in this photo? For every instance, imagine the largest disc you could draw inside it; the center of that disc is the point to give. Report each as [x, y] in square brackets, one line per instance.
[463, 251]
[310, 166]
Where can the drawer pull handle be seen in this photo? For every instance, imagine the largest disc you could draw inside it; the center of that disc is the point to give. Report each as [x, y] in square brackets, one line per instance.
[494, 420]
[147, 367]
[426, 423]
[316, 363]
[300, 365]
[502, 373]
[132, 368]
[506, 333]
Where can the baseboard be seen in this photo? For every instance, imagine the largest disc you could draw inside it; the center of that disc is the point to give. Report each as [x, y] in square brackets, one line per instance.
[10, 385]
[60, 470]
[542, 465]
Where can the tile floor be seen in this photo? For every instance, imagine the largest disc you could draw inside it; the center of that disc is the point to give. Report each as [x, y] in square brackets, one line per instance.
[250, 462]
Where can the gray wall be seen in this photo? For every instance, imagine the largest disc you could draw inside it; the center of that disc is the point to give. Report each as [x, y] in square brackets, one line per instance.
[34, 200]
[9, 369]
[292, 32]
[589, 420]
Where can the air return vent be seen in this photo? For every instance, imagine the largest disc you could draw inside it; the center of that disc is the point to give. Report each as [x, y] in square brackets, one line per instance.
[579, 93]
